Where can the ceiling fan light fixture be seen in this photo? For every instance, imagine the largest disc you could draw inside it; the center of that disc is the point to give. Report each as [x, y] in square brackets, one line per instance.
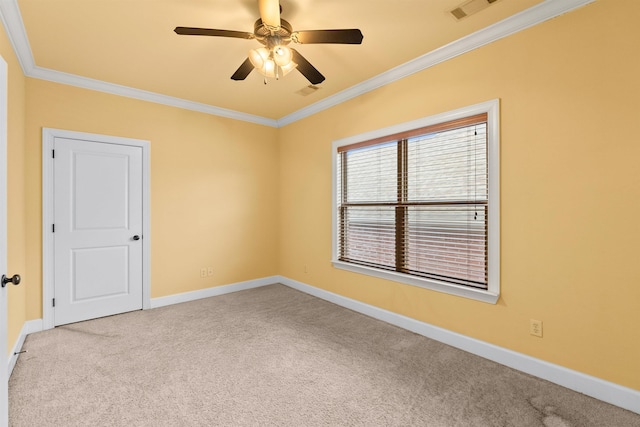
[258, 57]
[282, 55]
[268, 69]
[274, 63]
[272, 70]
[287, 68]
[262, 60]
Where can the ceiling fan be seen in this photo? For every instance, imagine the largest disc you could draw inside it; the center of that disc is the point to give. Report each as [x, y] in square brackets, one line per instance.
[275, 59]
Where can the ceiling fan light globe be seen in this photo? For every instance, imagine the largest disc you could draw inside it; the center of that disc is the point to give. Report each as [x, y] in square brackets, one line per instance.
[282, 55]
[287, 68]
[268, 69]
[258, 57]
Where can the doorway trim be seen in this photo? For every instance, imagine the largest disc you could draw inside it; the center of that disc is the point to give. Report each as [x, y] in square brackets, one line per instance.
[4, 304]
[48, 137]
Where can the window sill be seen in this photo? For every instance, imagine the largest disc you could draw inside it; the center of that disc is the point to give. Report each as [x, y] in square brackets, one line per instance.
[434, 285]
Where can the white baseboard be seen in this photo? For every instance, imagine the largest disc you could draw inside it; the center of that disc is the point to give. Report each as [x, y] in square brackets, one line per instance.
[29, 327]
[212, 292]
[609, 392]
[32, 326]
[606, 391]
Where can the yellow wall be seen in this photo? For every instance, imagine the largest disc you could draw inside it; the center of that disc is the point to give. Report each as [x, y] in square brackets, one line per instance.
[252, 201]
[213, 186]
[16, 246]
[570, 110]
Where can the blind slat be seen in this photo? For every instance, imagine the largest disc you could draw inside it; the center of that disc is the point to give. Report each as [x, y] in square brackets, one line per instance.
[416, 202]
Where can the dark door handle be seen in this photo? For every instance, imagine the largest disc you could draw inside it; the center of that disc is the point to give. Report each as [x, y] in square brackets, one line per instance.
[136, 237]
[15, 280]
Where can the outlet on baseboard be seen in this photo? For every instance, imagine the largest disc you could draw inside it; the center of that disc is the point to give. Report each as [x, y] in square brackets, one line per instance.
[203, 273]
[210, 271]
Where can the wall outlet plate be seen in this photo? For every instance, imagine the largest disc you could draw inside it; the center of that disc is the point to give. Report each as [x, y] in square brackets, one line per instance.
[535, 327]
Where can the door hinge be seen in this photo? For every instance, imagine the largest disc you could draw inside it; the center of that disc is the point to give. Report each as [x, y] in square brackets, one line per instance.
[53, 302]
[53, 154]
[53, 228]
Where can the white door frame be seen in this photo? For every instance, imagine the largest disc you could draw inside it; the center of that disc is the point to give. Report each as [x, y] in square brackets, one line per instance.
[4, 366]
[48, 137]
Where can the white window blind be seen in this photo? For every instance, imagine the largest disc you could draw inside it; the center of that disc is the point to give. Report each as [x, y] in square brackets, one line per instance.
[417, 202]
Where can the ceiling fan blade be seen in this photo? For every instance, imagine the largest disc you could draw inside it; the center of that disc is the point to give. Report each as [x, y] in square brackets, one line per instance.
[243, 71]
[270, 12]
[189, 31]
[307, 70]
[351, 36]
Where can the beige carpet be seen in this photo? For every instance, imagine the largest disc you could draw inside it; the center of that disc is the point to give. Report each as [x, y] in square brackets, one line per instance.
[275, 356]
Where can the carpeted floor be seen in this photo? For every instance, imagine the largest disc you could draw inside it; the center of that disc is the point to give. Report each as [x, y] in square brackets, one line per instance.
[275, 356]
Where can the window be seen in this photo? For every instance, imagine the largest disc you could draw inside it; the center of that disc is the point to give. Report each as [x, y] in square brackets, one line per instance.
[418, 203]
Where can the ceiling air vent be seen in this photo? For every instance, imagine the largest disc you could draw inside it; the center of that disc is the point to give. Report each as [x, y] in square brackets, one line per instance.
[308, 90]
[470, 7]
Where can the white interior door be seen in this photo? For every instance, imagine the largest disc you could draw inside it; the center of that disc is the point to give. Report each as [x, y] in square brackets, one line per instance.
[97, 229]
[4, 380]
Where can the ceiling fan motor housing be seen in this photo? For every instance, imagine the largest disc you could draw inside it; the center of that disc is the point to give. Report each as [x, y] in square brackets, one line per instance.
[273, 38]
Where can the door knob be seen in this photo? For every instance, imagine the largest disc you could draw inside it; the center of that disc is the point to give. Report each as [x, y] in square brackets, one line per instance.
[136, 237]
[15, 280]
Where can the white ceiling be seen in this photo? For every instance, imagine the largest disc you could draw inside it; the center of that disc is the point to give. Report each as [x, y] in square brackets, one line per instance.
[129, 47]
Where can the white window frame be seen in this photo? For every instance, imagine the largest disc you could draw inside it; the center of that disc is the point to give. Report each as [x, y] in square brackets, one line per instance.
[492, 293]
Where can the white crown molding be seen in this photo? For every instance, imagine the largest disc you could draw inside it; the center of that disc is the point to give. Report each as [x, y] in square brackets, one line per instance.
[129, 92]
[542, 12]
[12, 20]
